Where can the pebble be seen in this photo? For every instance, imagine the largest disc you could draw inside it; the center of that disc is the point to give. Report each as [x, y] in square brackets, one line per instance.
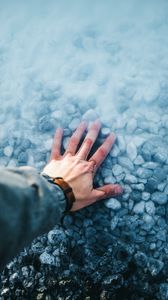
[159, 174]
[139, 186]
[117, 170]
[139, 160]
[74, 123]
[150, 165]
[105, 132]
[22, 157]
[131, 125]
[148, 222]
[154, 266]
[151, 185]
[45, 124]
[8, 150]
[150, 208]
[145, 196]
[139, 208]
[141, 259]
[121, 143]
[163, 291]
[126, 163]
[114, 222]
[90, 115]
[131, 150]
[159, 198]
[160, 157]
[47, 259]
[113, 204]
[115, 151]
[144, 173]
[130, 179]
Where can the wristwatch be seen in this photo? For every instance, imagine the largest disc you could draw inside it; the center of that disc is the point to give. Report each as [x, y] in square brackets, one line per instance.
[68, 192]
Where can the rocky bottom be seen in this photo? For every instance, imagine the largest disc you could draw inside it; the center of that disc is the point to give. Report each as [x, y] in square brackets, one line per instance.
[117, 248]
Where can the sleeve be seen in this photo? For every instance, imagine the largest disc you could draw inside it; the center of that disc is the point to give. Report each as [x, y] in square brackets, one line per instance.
[29, 206]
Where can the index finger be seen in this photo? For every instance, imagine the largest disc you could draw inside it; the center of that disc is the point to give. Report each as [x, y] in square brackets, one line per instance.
[56, 147]
[100, 155]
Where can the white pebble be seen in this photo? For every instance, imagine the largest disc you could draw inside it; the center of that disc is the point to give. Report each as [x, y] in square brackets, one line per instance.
[131, 151]
[139, 208]
[8, 150]
[131, 125]
[113, 204]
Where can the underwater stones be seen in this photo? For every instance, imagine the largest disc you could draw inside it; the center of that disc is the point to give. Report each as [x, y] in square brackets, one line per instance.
[105, 131]
[151, 185]
[160, 174]
[8, 150]
[67, 220]
[146, 151]
[113, 203]
[115, 151]
[56, 236]
[163, 291]
[114, 222]
[139, 208]
[45, 124]
[154, 266]
[150, 208]
[113, 282]
[144, 173]
[74, 123]
[159, 198]
[150, 165]
[23, 157]
[90, 232]
[121, 143]
[126, 163]
[130, 179]
[148, 222]
[141, 259]
[139, 160]
[160, 157]
[131, 125]
[48, 259]
[145, 196]
[90, 115]
[117, 170]
[131, 150]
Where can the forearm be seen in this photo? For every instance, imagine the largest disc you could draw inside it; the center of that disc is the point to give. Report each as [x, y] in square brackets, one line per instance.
[29, 206]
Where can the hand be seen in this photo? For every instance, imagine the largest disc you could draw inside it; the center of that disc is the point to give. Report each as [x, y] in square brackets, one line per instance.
[76, 170]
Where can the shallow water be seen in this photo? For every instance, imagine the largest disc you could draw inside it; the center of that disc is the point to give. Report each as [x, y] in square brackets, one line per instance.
[64, 62]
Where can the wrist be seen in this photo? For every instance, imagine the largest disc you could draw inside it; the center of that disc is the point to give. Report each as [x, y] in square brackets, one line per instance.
[66, 188]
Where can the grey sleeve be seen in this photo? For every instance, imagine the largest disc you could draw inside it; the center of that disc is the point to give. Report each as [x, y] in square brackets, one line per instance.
[29, 206]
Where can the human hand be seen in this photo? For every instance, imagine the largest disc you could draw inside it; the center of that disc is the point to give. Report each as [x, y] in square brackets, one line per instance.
[76, 170]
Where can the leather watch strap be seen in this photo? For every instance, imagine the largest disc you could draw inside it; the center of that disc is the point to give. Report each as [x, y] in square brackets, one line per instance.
[66, 189]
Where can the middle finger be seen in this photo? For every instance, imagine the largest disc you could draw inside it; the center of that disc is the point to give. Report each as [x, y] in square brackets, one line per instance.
[89, 140]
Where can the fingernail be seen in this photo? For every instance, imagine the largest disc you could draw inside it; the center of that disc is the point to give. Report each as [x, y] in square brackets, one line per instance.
[118, 189]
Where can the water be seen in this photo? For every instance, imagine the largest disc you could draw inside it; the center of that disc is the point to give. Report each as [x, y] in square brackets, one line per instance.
[62, 62]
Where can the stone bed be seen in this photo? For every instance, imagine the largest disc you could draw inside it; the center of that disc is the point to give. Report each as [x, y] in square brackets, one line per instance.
[54, 76]
[116, 247]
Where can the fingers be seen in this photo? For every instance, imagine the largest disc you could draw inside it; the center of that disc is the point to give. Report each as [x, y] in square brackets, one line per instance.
[56, 147]
[100, 155]
[106, 191]
[75, 138]
[89, 140]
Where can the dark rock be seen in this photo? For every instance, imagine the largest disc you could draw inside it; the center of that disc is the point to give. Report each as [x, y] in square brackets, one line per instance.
[151, 185]
[23, 157]
[141, 259]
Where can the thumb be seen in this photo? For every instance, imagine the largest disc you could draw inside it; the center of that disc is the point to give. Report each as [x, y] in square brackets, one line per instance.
[105, 191]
